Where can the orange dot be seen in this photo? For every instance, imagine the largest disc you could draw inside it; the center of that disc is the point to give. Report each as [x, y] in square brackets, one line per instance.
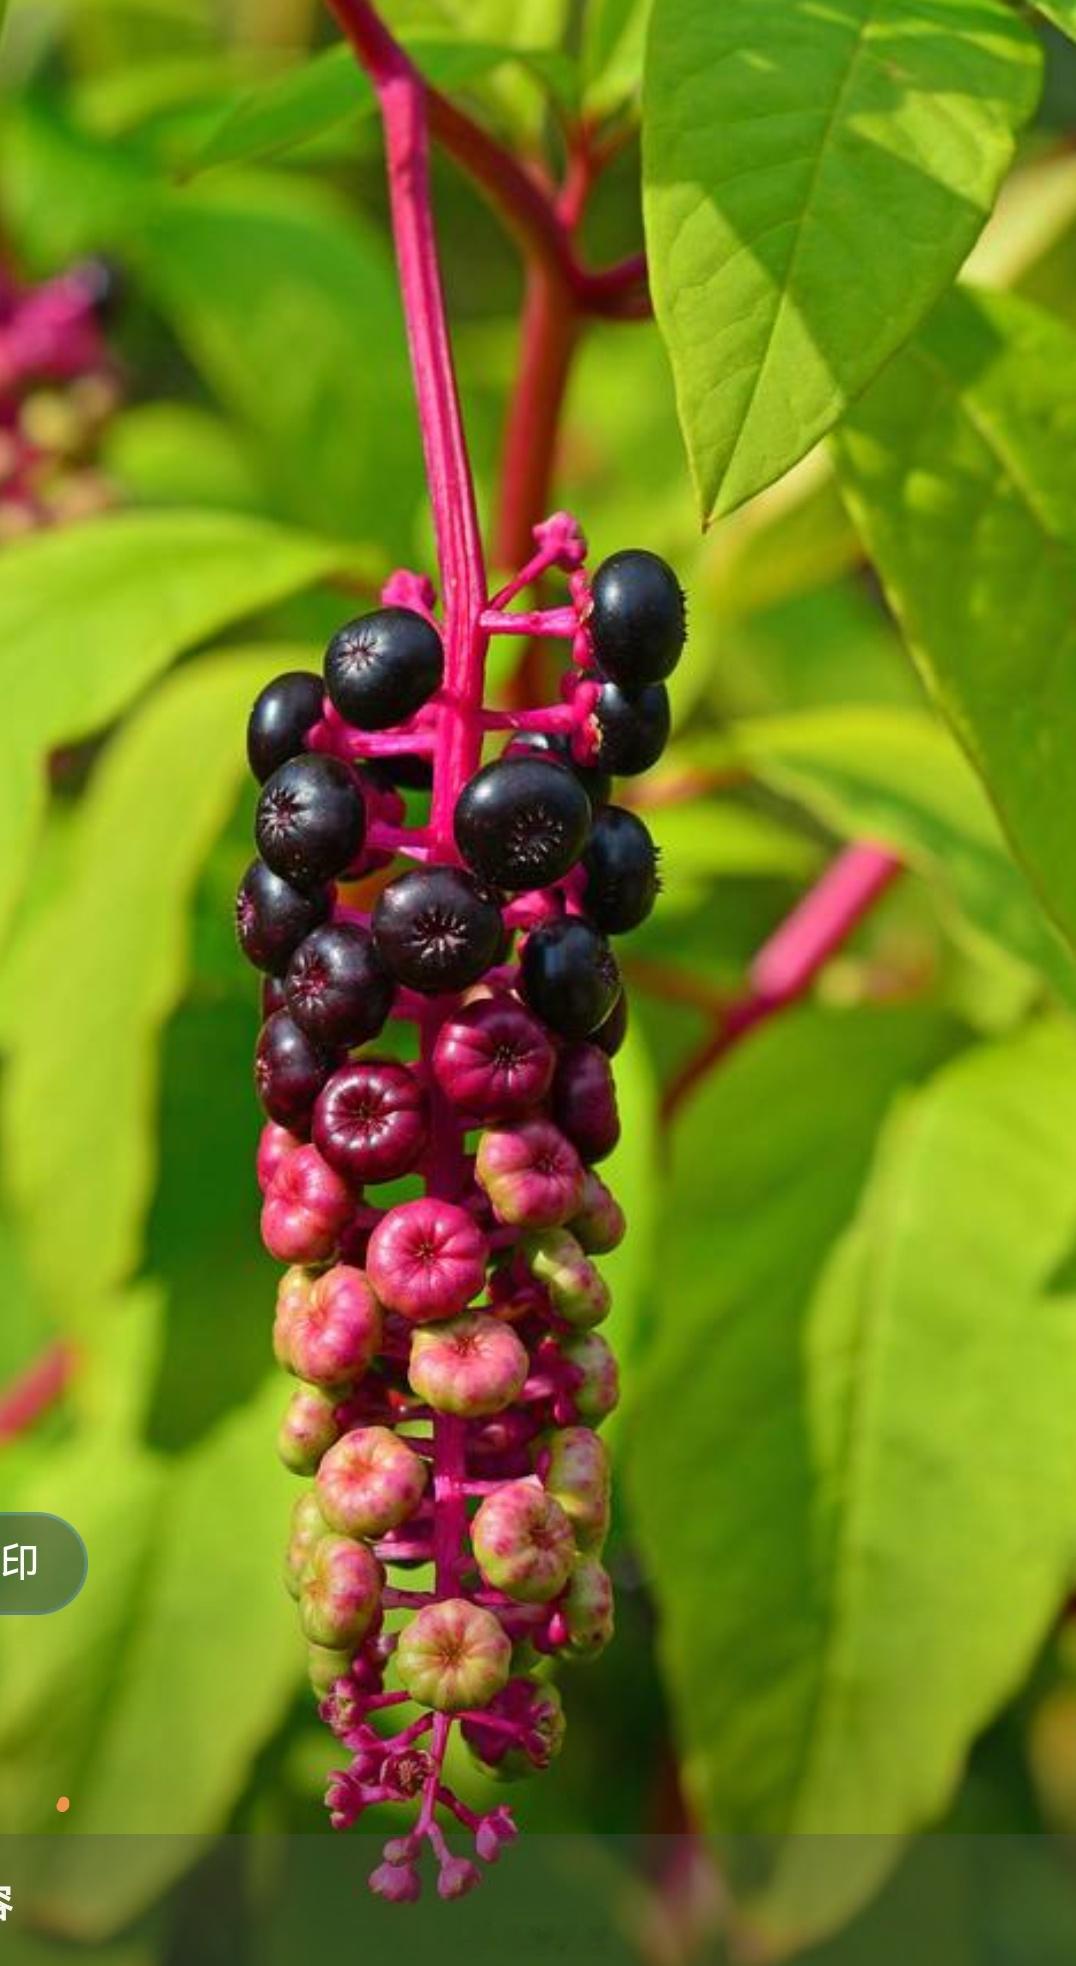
[63, 1804]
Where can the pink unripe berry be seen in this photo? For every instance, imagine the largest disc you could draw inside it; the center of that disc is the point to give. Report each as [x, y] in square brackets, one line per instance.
[600, 1225]
[578, 1292]
[493, 1060]
[334, 1330]
[587, 1608]
[370, 1121]
[531, 1173]
[340, 1594]
[370, 1482]
[292, 1295]
[308, 1526]
[427, 1259]
[598, 1382]
[308, 1428]
[274, 1145]
[576, 1473]
[472, 1366]
[305, 1208]
[523, 1542]
[325, 1665]
[453, 1655]
[584, 1101]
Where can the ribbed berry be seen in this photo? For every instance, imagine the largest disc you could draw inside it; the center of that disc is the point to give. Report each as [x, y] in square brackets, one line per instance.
[337, 987]
[522, 822]
[283, 713]
[311, 819]
[383, 666]
[437, 929]
[370, 1121]
[427, 1259]
[493, 1060]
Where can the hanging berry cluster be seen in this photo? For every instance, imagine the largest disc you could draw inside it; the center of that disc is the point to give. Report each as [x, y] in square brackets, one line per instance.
[58, 388]
[452, 1376]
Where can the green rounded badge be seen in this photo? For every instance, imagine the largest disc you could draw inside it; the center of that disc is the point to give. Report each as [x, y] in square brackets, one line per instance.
[43, 1563]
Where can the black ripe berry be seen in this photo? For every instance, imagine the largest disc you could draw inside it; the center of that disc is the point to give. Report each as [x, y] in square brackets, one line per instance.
[570, 977]
[610, 1035]
[437, 929]
[382, 667]
[280, 719]
[621, 863]
[272, 917]
[338, 989]
[522, 822]
[558, 744]
[630, 732]
[311, 819]
[637, 620]
[289, 1072]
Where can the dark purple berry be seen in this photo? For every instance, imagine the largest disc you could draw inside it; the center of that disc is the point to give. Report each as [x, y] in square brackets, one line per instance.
[621, 863]
[437, 929]
[611, 1034]
[280, 719]
[338, 989]
[273, 997]
[558, 744]
[382, 667]
[522, 822]
[569, 975]
[493, 1060]
[289, 1072]
[370, 1121]
[637, 622]
[584, 1101]
[272, 917]
[311, 819]
[630, 732]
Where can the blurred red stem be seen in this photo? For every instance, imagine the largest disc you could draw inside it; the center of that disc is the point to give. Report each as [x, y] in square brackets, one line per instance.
[34, 1391]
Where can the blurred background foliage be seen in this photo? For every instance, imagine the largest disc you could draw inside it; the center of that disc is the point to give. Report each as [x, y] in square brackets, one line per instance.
[847, 1497]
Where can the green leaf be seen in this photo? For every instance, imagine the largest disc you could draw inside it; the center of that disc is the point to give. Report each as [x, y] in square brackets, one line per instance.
[91, 613]
[614, 35]
[1061, 12]
[633, 1175]
[101, 970]
[148, 1697]
[868, 1441]
[896, 776]
[958, 469]
[814, 176]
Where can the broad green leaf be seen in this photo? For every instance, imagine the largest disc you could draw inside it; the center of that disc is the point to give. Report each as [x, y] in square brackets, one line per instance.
[614, 36]
[814, 176]
[958, 469]
[873, 1434]
[175, 1662]
[1061, 12]
[160, 453]
[897, 777]
[102, 969]
[144, 586]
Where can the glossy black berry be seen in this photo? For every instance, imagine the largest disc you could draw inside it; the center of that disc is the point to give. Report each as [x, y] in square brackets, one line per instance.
[637, 622]
[272, 917]
[557, 744]
[621, 863]
[437, 929]
[382, 667]
[570, 976]
[610, 1035]
[522, 822]
[311, 819]
[338, 989]
[289, 1072]
[280, 719]
[630, 732]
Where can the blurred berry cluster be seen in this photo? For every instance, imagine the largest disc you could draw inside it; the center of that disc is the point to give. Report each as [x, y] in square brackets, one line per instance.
[58, 389]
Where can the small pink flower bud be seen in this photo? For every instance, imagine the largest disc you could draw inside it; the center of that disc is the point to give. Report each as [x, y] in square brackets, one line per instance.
[335, 1330]
[427, 1259]
[326, 1664]
[400, 1884]
[345, 1798]
[309, 1427]
[523, 1542]
[493, 1060]
[305, 1209]
[274, 1146]
[456, 1877]
[576, 1473]
[494, 1830]
[578, 1292]
[584, 1101]
[534, 1711]
[370, 1482]
[531, 1173]
[588, 1608]
[340, 1595]
[370, 1121]
[473, 1366]
[453, 1655]
[599, 1226]
[308, 1526]
[598, 1387]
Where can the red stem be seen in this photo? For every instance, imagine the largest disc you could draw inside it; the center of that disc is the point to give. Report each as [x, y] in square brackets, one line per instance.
[788, 963]
[35, 1390]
